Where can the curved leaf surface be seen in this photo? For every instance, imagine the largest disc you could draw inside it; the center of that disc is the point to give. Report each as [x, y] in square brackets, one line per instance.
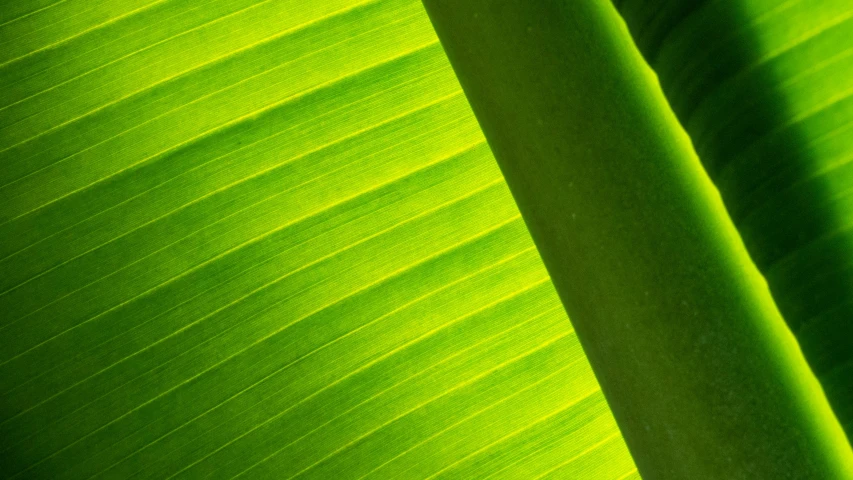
[765, 90]
[703, 375]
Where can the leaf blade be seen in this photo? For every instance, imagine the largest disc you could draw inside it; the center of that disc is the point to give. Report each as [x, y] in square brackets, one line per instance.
[245, 238]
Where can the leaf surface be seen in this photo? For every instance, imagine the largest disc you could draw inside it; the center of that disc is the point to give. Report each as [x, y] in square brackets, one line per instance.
[765, 90]
[704, 377]
[267, 239]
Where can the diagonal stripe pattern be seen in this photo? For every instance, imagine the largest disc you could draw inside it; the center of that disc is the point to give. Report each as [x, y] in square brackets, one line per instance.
[266, 239]
[765, 90]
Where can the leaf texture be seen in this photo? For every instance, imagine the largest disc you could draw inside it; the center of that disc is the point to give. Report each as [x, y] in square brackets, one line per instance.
[703, 375]
[266, 239]
[765, 90]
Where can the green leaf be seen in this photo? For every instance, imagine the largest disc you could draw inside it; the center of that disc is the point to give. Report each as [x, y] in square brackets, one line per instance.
[267, 239]
[769, 106]
[704, 377]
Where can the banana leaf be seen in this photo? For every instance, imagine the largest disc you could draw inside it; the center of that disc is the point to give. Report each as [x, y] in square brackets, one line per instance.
[704, 376]
[269, 239]
[263, 239]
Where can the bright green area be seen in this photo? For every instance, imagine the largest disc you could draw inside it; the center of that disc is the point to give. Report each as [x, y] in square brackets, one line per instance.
[701, 371]
[266, 239]
[765, 90]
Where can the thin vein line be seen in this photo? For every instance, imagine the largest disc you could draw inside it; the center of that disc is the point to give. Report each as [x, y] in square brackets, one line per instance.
[99, 48]
[20, 17]
[628, 474]
[745, 29]
[489, 446]
[826, 170]
[285, 226]
[592, 448]
[779, 51]
[364, 367]
[227, 56]
[288, 225]
[325, 209]
[445, 393]
[799, 76]
[711, 137]
[232, 123]
[90, 29]
[350, 333]
[125, 56]
[375, 283]
[805, 37]
[212, 338]
[219, 190]
[172, 110]
[791, 254]
[254, 344]
[294, 222]
[270, 137]
[790, 123]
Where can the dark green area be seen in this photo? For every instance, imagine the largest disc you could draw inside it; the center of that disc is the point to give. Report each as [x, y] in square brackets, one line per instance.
[702, 374]
[765, 90]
